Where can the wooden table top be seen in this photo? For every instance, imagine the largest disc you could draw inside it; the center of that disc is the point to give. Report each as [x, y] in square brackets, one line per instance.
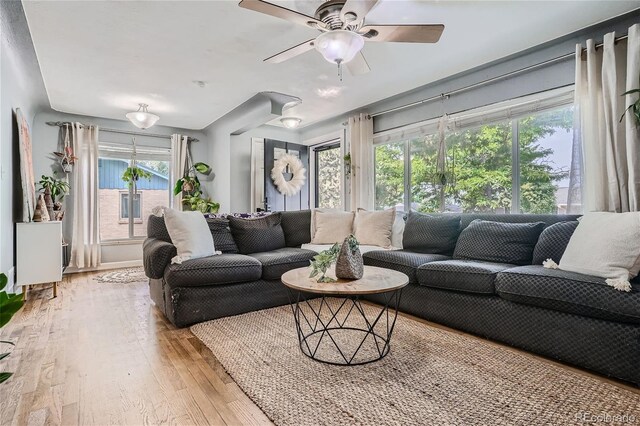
[374, 280]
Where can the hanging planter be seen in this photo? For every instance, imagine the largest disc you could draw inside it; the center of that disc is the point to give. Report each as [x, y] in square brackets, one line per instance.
[66, 157]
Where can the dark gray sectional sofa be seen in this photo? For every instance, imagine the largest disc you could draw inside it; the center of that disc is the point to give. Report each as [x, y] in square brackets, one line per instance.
[567, 316]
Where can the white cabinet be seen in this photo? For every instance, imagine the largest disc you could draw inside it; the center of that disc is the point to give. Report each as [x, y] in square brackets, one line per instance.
[39, 253]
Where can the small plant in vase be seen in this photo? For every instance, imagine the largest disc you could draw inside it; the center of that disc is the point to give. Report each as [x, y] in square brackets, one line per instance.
[322, 262]
[190, 183]
[54, 191]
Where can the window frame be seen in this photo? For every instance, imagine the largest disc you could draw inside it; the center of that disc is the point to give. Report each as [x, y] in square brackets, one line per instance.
[136, 220]
[515, 152]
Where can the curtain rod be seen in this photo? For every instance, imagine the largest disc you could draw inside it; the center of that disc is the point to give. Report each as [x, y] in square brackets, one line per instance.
[487, 81]
[124, 132]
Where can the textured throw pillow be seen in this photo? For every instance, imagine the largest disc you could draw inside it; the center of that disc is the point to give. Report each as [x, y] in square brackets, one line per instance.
[397, 230]
[553, 242]
[433, 234]
[297, 227]
[605, 245]
[190, 234]
[332, 226]
[374, 228]
[222, 238]
[498, 242]
[257, 235]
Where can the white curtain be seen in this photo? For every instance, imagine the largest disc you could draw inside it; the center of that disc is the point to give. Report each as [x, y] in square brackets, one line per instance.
[360, 138]
[179, 149]
[611, 149]
[85, 242]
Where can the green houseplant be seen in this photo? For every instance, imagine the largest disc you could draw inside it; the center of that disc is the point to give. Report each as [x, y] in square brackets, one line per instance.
[190, 183]
[57, 188]
[134, 173]
[634, 107]
[10, 303]
[322, 261]
[196, 202]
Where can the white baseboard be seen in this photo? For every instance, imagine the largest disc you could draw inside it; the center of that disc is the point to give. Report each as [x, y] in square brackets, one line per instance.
[105, 266]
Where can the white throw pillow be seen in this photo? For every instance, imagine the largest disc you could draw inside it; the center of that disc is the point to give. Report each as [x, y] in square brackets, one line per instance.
[398, 230]
[605, 245]
[374, 228]
[332, 226]
[190, 234]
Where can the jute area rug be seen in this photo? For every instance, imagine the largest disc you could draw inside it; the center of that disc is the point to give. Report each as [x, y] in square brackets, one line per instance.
[431, 377]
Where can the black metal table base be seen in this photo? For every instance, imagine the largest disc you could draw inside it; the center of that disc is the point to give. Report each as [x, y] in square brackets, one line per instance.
[343, 334]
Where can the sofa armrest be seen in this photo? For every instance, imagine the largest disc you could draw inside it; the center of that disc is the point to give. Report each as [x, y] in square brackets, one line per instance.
[156, 256]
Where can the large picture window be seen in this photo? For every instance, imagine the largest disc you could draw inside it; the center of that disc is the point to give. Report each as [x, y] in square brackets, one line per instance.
[518, 165]
[118, 219]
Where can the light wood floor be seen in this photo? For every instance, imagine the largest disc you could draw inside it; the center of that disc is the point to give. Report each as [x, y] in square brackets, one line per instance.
[103, 354]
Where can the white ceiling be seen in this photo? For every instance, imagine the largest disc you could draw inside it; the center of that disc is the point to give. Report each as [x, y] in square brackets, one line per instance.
[101, 58]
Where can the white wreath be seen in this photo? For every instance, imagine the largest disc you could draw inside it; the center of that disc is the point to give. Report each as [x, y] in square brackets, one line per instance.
[293, 186]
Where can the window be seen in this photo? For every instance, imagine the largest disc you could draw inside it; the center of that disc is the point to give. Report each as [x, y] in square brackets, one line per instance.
[328, 165]
[124, 206]
[114, 194]
[483, 172]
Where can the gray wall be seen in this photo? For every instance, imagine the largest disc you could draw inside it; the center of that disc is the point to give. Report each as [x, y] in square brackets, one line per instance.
[545, 78]
[45, 141]
[21, 86]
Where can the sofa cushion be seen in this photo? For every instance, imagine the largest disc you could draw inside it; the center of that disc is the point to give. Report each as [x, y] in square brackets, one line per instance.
[157, 229]
[498, 242]
[425, 233]
[404, 261]
[213, 270]
[258, 235]
[553, 241]
[470, 276]
[297, 227]
[277, 262]
[222, 237]
[569, 292]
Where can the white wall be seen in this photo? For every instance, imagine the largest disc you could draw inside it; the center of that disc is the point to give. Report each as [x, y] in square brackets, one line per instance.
[21, 86]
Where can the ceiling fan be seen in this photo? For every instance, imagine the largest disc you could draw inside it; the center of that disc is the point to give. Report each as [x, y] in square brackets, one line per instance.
[343, 31]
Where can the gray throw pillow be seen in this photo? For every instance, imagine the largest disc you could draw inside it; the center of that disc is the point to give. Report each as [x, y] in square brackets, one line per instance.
[222, 237]
[498, 242]
[257, 235]
[433, 234]
[297, 227]
[553, 242]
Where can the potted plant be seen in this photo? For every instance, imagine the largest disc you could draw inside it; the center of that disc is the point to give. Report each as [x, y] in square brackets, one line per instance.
[190, 183]
[322, 261]
[634, 107]
[10, 303]
[196, 202]
[132, 174]
[54, 191]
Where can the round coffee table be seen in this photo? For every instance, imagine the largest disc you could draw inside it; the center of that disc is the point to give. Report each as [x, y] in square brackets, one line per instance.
[332, 324]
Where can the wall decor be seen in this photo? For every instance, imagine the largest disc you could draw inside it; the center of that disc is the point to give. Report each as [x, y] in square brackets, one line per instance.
[291, 165]
[26, 168]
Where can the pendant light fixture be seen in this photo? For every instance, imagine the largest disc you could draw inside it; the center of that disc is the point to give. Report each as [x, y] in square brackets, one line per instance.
[142, 118]
[290, 122]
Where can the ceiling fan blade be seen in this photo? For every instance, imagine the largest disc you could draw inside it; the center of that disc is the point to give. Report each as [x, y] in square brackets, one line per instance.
[280, 12]
[358, 65]
[403, 33]
[359, 8]
[292, 52]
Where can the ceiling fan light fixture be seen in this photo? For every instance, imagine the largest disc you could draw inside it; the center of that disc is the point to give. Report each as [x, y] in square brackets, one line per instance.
[339, 46]
[142, 118]
[290, 122]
